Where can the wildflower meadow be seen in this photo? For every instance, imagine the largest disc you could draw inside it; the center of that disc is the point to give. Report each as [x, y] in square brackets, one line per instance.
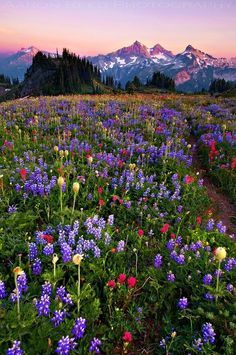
[109, 242]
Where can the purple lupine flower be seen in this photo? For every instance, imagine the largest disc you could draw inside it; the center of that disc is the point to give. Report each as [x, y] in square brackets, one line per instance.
[43, 306]
[210, 225]
[96, 252]
[198, 344]
[170, 276]
[63, 296]
[180, 259]
[221, 228]
[79, 328]
[67, 300]
[66, 252]
[230, 264]
[15, 349]
[47, 288]
[22, 282]
[209, 297]
[61, 292]
[12, 209]
[201, 182]
[94, 345]
[110, 220]
[33, 251]
[107, 239]
[48, 250]
[207, 279]
[37, 267]
[170, 245]
[229, 288]
[120, 246]
[58, 318]
[158, 261]
[65, 345]
[179, 208]
[183, 303]
[3, 293]
[208, 333]
[162, 343]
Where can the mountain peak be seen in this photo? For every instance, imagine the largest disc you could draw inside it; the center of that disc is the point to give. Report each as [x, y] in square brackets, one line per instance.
[137, 48]
[137, 43]
[158, 50]
[190, 48]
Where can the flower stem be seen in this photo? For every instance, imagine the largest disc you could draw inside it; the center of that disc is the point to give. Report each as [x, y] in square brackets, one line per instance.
[217, 281]
[17, 297]
[78, 302]
[61, 198]
[73, 208]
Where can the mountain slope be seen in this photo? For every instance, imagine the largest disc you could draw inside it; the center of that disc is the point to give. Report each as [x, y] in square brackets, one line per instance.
[16, 65]
[192, 69]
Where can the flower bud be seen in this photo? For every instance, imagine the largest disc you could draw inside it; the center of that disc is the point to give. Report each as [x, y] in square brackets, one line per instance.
[55, 259]
[220, 253]
[76, 187]
[56, 149]
[60, 181]
[18, 271]
[66, 152]
[89, 159]
[77, 258]
[61, 153]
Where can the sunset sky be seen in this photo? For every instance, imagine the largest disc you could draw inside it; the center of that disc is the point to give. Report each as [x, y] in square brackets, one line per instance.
[89, 27]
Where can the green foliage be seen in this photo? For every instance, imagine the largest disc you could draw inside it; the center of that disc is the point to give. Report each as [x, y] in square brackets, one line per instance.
[221, 85]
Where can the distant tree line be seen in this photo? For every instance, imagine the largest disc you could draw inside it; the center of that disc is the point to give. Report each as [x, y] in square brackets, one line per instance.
[221, 85]
[158, 81]
[5, 80]
[66, 74]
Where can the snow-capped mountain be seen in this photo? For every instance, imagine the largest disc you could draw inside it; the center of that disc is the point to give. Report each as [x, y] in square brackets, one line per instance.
[192, 69]
[16, 64]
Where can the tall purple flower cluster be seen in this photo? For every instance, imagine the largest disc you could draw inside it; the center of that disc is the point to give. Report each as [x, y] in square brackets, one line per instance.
[37, 267]
[15, 349]
[158, 261]
[183, 303]
[47, 288]
[63, 296]
[65, 345]
[95, 345]
[58, 318]
[43, 305]
[208, 333]
[3, 292]
[79, 328]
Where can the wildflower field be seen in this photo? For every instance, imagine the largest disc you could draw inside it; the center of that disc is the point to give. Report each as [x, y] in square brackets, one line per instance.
[108, 240]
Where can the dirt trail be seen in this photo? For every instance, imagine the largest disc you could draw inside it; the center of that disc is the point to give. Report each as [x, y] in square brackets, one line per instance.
[223, 209]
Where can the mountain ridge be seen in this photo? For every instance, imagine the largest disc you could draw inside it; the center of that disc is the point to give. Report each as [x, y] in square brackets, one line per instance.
[192, 69]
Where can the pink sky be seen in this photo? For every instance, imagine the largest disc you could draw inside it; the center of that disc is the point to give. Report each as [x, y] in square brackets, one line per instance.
[89, 27]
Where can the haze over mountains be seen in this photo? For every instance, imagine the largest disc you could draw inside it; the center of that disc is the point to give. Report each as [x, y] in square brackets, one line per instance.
[192, 69]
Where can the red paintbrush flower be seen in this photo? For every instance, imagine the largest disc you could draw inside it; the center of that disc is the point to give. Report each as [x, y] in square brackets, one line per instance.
[127, 337]
[101, 202]
[165, 228]
[48, 238]
[121, 278]
[199, 220]
[23, 173]
[131, 282]
[111, 283]
[140, 232]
